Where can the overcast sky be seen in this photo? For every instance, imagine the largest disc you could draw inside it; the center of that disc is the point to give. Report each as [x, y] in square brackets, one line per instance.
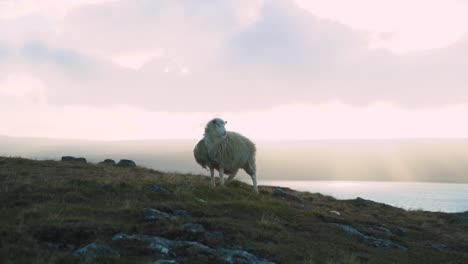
[275, 69]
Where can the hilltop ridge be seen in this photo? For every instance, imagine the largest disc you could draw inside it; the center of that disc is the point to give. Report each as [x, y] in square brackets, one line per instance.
[67, 212]
[405, 160]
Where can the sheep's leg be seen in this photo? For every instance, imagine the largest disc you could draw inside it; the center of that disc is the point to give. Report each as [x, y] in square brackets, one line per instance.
[221, 176]
[251, 169]
[229, 179]
[213, 182]
[254, 182]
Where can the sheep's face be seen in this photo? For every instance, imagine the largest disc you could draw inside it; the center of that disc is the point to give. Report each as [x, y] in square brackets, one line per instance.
[218, 126]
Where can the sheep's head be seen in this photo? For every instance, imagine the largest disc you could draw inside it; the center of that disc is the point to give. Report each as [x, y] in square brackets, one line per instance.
[216, 127]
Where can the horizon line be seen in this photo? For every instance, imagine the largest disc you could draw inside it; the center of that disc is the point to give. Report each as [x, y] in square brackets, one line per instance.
[253, 138]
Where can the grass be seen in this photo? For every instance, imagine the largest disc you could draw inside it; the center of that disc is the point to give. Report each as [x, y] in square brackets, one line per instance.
[48, 209]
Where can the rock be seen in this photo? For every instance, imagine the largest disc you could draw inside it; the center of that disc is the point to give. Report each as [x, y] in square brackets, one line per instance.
[279, 192]
[184, 249]
[164, 261]
[241, 256]
[335, 213]
[154, 214]
[214, 238]
[182, 213]
[159, 244]
[401, 231]
[159, 189]
[360, 202]
[95, 250]
[369, 240]
[70, 158]
[441, 246]
[193, 228]
[381, 229]
[126, 163]
[108, 162]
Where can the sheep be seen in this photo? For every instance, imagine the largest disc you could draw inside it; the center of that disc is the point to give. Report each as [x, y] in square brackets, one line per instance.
[201, 157]
[227, 152]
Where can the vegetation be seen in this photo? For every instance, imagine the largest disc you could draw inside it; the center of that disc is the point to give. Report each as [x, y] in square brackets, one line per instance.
[49, 209]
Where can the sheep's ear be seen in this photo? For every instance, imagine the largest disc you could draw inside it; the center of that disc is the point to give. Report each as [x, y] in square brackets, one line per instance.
[213, 122]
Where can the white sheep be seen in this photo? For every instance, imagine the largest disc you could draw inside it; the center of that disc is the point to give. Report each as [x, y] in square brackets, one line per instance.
[226, 152]
[201, 157]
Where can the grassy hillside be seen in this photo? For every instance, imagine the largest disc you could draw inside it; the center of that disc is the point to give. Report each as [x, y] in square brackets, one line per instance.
[50, 210]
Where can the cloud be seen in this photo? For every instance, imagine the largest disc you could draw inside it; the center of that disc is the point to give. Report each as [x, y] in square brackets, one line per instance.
[220, 56]
[10, 9]
[18, 89]
[3, 52]
[413, 25]
[39, 54]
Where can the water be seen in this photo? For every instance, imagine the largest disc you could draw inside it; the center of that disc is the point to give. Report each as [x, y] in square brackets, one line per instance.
[436, 197]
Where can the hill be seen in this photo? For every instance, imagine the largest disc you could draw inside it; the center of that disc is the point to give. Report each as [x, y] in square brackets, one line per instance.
[69, 212]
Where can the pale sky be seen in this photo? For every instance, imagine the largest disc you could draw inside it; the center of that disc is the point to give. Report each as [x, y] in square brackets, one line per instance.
[274, 69]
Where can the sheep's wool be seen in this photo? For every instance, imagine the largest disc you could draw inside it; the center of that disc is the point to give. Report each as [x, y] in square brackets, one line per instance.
[201, 157]
[232, 152]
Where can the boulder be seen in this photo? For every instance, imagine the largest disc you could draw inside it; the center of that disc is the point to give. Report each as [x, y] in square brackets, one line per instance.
[360, 202]
[190, 249]
[182, 213]
[71, 158]
[154, 214]
[82, 160]
[108, 162]
[126, 163]
[381, 229]
[402, 231]
[95, 250]
[281, 193]
[241, 256]
[68, 158]
[363, 202]
[369, 240]
[159, 189]
[442, 246]
[164, 261]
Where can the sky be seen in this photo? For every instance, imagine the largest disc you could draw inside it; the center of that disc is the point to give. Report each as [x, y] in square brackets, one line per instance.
[274, 69]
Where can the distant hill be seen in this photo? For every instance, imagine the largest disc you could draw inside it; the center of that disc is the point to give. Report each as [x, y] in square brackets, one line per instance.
[425, 160]
[69, 212]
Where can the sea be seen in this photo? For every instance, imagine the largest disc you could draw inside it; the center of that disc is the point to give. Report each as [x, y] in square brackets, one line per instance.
[435, 197]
